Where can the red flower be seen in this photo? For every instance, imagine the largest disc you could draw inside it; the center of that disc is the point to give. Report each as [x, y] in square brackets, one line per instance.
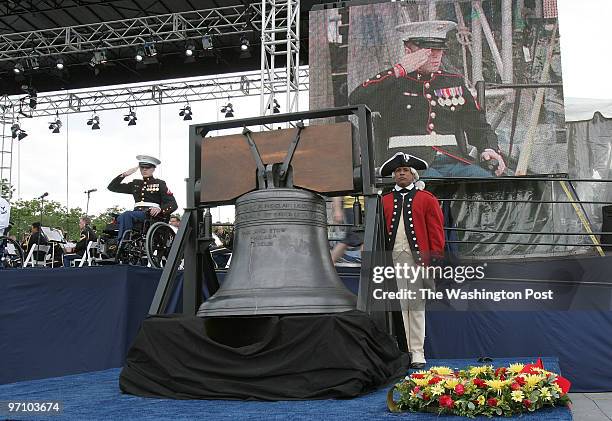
[417, 376]
[479, 382]
[564, 384]
[459, 389]
[515, 386]
[527, 403]
[446, 401]
[416, 389]
[492, 402]
[501, 371]
[435, 380]
[520, 380]
[425, 397]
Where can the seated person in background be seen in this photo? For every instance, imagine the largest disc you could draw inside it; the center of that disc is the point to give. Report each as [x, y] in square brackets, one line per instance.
[87, 235]
[175, 221]
[37, 237]
[150, 194]
[108, 238]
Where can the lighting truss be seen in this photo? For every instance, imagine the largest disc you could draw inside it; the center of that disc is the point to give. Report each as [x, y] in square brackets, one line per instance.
[280, 37]
[191, 90]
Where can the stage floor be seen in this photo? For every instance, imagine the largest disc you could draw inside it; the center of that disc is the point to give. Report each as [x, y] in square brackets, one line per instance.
[96, 396]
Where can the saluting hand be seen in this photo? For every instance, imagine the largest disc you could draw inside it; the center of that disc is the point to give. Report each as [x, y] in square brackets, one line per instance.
[130, 171]
[489, 154]
[413, 61]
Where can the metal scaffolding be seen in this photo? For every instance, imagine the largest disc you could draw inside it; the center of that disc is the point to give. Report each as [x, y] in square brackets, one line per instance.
[280, 36]
[6, 139]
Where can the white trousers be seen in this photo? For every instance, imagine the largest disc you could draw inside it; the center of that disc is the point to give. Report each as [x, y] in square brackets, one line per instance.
[413, 310]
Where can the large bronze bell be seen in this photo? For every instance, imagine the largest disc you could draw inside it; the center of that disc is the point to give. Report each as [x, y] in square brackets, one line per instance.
[281, 262]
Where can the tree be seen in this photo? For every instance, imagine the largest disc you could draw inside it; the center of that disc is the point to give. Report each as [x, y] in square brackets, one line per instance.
[105, 217]
[25, 212]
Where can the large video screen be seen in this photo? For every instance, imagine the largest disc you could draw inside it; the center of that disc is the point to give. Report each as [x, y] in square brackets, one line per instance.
[416, 65]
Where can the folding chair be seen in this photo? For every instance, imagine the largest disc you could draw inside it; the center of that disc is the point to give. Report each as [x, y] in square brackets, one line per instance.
[88, 256]
[30, 260]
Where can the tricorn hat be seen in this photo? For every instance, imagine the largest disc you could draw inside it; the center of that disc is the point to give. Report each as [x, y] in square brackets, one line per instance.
[427, 34]
[401, 159]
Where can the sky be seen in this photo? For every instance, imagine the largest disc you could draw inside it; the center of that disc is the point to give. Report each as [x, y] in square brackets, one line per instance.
[67, 164]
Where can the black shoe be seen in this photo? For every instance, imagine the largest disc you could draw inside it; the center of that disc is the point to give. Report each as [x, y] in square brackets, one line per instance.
[417, 366]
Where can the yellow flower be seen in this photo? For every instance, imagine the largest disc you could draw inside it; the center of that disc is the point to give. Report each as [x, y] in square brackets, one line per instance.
[475, 371]
[496, 384]
[531, 380]
[517, 396]
[480, 400]
[557, 388]
[516, 368]
[442, 371]
[437, 389]
[451, 383]
[545, 393]
[421, 382]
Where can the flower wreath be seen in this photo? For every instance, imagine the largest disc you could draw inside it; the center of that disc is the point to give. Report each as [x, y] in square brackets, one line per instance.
[480, 390]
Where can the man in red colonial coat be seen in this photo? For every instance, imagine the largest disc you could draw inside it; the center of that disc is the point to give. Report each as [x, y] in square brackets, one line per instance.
[415, 236]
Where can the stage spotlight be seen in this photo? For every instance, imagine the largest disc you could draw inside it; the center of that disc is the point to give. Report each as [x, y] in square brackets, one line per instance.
[99, 57]
[55, 126]
[18, 69]
[207, 46]
[139, 55]
[244, 43]
[59, 64]
[32, 62]
[130, 117]
[17, 132]
[275, 107]
[228, 109]
[149, 49]
[207, 42]
[94, 122]
[189, 49]
[189, 52]
[186, 112]
[32, 95]
[146, 55]
[245, 47]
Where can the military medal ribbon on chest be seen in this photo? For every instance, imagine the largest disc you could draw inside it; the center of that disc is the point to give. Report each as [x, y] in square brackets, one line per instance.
[461, 98]
[454, 99]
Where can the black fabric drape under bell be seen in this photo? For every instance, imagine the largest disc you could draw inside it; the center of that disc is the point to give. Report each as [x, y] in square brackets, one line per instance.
[316, 356]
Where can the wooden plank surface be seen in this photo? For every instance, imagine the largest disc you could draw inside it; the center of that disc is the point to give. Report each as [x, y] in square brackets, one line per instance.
[323, 161]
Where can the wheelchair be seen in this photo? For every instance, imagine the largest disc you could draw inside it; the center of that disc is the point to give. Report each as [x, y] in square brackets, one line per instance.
[148, 243]
[11, 253]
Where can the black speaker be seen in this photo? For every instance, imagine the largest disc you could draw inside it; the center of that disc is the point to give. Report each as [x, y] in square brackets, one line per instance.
[606, 226]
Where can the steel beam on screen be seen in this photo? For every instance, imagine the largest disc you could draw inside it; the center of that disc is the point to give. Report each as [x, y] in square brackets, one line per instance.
[171, 27]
